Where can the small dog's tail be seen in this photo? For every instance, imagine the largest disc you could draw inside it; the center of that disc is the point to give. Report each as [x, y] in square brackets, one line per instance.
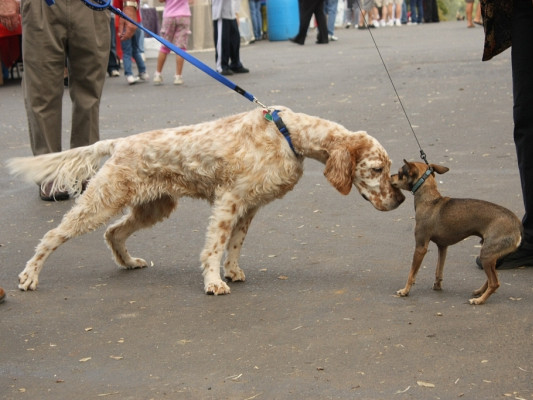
[68, 170]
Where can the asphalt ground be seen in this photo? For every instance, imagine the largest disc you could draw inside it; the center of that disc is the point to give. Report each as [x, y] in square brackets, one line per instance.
[318, 317]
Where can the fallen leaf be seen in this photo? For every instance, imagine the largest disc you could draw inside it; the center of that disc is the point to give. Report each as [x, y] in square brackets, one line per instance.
[85, 359]
[425, 384]
[403, 391]
[88, 329]
[116, 357]
[283, 277]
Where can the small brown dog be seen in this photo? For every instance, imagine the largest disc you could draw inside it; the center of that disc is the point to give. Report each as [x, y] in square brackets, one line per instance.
[446, 221]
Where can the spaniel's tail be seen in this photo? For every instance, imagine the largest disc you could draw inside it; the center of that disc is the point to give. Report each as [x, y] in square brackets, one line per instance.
[68, 170]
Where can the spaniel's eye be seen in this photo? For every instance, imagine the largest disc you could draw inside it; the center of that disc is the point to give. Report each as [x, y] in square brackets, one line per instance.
[377, 170]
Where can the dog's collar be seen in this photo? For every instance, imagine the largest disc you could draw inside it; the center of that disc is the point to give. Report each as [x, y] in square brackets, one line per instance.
[422, 179]
[281, 127]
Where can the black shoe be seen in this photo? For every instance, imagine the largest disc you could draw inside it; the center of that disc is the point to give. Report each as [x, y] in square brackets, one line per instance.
[240, 70]
[226, 71]
[294, 40]
[522, 257]
[46, 193]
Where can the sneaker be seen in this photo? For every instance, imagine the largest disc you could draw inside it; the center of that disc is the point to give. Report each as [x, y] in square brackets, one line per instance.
[132, 79]
[144, 76]
[158, 79]
[178, 80]
[375, 24]
[390, 22]
[114, 73]
[398, 22]
[382, 22]
[348, 25]
[522, 257]
[226, 72]
[333, 38]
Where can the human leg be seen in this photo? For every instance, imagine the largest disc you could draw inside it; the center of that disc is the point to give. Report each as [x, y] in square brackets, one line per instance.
[522, 65]
[221, 39]
[43, 46]
[322, 26]
[469, 10]
[137, 52]
[330, 8]
[306, 12]
[257, 18]
[88, 56]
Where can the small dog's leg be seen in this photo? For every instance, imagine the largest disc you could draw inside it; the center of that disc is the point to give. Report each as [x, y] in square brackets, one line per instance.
[140, 216]
[418, 256]
[232, 271]
[223, 220]
[440, 267]
[492, 283]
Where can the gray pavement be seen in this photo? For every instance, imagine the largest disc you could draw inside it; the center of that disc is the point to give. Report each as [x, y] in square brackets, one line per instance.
[317, 317]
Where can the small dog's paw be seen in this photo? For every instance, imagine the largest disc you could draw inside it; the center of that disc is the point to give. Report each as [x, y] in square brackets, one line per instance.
[402, 293]
[476, 301]
[217, 288]
[235, 275]
[135, 263]
[27, 281]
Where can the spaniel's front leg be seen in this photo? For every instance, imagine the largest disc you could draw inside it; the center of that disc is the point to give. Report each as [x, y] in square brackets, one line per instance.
[227, 211]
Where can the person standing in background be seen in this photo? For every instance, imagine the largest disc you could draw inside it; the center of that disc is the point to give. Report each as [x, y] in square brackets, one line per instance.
[227, 37]
[308, 8]
[47, 41]
[176, 28]
[131, 46]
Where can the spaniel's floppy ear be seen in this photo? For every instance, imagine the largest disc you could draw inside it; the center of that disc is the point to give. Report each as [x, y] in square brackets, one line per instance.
[339, 169]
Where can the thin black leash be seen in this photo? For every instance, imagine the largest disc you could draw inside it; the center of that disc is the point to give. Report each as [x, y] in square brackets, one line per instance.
[422, 154]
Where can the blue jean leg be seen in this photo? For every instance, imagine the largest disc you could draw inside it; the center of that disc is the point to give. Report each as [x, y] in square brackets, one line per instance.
[130, 49]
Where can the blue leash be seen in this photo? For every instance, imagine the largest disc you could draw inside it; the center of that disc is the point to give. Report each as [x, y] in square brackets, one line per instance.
[100, 5]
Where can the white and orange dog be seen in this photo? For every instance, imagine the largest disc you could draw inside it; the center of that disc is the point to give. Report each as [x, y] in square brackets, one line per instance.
[238, 163]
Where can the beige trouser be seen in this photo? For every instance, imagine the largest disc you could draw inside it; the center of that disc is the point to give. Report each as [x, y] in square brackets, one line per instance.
[70, 30]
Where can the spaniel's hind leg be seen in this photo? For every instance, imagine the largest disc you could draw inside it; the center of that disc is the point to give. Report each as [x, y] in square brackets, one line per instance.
[232, 271]
[140, 216]
[89, 213]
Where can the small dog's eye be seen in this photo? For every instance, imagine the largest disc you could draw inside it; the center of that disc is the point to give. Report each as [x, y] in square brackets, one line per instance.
[377, 170]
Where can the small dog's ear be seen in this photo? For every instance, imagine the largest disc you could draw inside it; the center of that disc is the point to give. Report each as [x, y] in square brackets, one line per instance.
[339, 168]
[406, 169]
[439, 169]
